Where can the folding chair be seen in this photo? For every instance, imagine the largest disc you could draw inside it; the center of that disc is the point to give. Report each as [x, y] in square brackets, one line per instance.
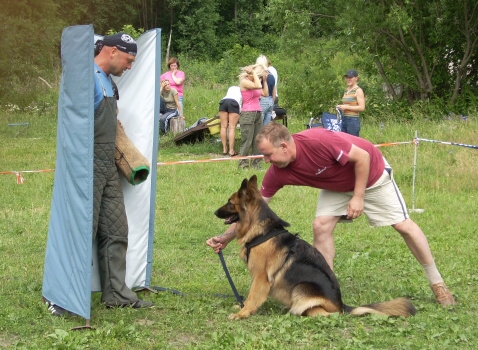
[281, 113]
[314, 123]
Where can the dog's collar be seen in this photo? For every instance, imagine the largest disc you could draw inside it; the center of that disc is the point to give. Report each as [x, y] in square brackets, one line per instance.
[261, 239]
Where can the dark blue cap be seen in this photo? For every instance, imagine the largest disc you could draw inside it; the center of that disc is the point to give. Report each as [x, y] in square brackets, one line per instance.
[123, 42]
[351, 73]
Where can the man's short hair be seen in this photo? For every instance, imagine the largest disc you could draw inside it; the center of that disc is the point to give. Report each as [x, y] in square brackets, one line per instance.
[275, 133]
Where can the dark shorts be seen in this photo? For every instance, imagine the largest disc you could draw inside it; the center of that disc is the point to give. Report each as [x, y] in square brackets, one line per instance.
[229, 105]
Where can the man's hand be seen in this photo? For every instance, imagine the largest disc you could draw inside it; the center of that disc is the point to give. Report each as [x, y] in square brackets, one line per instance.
[220, 242]
[355, 207]
[361, 160]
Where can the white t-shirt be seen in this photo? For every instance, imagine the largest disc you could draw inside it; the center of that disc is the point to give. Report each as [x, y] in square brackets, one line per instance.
[234, 92]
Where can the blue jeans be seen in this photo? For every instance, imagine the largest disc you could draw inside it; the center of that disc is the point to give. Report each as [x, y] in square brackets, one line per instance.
[267, 105]
[351, 125]
[180, 98]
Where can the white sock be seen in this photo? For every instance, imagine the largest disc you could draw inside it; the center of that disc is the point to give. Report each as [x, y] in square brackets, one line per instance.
[432, 273]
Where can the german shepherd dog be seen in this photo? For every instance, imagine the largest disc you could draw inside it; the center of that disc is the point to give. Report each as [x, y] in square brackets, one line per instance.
[286, 267]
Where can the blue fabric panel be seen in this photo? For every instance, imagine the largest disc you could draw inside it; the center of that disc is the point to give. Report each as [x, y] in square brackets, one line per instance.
[67, 270]
[154, 168]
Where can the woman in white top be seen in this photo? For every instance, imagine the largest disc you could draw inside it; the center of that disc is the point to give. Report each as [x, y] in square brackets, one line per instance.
[229, 109]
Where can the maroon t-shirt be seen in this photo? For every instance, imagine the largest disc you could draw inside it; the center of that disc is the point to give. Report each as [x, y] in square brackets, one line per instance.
[322, 162]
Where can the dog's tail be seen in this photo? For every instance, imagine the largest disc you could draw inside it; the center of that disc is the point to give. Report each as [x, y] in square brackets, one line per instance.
[396, 307]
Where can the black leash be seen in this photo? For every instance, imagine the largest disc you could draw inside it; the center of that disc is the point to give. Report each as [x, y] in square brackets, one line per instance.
[223, 262]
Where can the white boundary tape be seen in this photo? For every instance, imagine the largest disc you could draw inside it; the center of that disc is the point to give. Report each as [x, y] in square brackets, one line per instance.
[416, 140]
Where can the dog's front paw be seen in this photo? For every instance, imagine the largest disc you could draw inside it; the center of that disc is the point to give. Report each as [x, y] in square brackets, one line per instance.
[239, 316]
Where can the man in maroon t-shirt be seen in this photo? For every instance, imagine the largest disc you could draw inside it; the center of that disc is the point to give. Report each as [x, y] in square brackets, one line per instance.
[354, 178]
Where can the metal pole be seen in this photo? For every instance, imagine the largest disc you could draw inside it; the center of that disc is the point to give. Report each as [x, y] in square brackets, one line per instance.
[413, 210]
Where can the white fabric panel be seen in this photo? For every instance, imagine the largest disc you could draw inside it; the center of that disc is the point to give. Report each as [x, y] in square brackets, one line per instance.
[138, 111]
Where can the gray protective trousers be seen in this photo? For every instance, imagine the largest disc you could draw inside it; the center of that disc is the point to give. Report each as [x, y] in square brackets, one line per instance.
[110, 225]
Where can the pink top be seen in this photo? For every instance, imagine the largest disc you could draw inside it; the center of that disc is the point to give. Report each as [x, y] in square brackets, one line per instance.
[250, 100]
[169, 75]
[322, 162]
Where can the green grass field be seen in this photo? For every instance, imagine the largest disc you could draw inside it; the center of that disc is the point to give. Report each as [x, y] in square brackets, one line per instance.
[372, 264]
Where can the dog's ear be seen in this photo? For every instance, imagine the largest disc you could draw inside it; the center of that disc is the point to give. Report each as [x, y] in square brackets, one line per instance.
[252, 182]
[243, 186]
[253, 179]
[247, 188]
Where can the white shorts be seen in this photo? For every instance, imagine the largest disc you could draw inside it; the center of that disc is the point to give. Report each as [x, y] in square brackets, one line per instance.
[383, 202]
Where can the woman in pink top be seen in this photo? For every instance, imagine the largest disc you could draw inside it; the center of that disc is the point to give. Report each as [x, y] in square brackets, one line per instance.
[176, 78]
[251, 116]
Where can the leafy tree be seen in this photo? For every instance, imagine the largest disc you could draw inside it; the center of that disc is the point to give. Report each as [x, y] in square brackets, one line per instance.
[148, 11]
[458, 22]
[428, 48]
[302, 19]
[30, 37]
[414, 42]
[309, 83]
[32, 33]
[241, 22]
[129, 29]
[103, 14]
[208, 28]
[196, 26]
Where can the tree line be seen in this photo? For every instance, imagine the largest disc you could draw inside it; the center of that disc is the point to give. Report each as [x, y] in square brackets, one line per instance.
[409, 50]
